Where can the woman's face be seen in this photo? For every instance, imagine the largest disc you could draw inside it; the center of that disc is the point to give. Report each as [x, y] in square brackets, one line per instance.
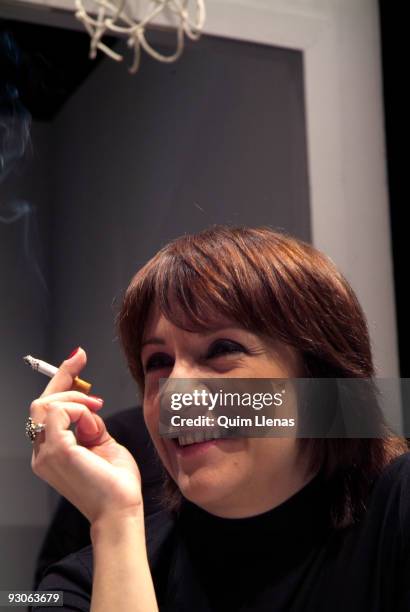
[233, 477]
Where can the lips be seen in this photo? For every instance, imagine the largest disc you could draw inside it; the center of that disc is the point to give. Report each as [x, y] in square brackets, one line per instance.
[182, 447]
[198, 437]
[196, 448]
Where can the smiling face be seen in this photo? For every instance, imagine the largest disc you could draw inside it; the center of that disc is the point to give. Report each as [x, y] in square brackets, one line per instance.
[234, 477]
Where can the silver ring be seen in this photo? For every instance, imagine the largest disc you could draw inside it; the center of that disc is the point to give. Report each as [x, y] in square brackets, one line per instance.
[32, 429]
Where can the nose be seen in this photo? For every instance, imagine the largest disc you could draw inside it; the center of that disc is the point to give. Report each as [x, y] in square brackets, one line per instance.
[186, 377]
[186, 368]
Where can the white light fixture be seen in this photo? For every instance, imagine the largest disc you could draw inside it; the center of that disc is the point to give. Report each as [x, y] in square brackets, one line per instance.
[102, 17]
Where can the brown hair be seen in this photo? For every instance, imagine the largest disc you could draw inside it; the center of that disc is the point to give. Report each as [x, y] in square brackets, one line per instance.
[277, 286]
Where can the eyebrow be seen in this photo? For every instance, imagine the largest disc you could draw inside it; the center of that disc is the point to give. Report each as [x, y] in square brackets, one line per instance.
[157, 340]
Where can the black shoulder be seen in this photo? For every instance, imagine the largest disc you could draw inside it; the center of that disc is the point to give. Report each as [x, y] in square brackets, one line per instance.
[396, 474]
[73, 576]
[158, 529]
[392, 489]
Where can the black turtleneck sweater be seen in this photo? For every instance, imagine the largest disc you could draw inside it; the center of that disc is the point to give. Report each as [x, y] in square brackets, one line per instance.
[289, 559]
[236, 559]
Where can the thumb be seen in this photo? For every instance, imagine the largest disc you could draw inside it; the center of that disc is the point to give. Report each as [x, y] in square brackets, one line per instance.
[70, 368]
[91, 429]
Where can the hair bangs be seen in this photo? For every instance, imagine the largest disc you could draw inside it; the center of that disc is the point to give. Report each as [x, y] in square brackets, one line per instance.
[191, 291]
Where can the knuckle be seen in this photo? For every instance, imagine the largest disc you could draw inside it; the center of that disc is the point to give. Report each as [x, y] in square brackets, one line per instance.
[62, 454]
[78, 395]
[38, 404]
[35, 404]
[61, 414]
[58, 408]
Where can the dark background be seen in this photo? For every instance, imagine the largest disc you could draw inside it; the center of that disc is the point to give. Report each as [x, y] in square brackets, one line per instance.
[115, 167]
[394, 85]
[53, 63]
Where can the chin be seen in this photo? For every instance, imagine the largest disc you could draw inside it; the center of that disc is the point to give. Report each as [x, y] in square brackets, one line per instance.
[205, 492]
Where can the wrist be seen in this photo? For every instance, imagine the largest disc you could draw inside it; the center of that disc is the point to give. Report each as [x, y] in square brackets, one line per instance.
[115, 525]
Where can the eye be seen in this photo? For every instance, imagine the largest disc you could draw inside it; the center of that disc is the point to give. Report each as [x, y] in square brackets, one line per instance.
[223, 347]
[157, 361]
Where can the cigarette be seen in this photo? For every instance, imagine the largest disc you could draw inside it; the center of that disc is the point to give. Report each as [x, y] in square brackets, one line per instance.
[49, 370]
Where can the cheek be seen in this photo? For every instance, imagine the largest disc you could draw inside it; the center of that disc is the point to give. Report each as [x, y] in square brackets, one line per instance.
[151, 418]
[273, 454]
[151, 400]
[151, 415]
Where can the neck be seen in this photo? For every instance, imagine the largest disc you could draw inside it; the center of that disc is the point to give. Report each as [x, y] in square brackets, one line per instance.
[252, 503]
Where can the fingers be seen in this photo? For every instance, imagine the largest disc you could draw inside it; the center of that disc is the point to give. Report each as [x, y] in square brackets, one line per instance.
[56, 450]
[90, 427]
[58, 410]
[57, 418]
[68, 370]
[94, 403]
[91, 430]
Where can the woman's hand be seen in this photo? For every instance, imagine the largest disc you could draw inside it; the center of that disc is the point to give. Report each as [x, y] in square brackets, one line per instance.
[95, 473]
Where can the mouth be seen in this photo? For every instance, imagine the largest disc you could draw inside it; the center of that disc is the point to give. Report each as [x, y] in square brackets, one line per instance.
[196, 446]
[197, 437]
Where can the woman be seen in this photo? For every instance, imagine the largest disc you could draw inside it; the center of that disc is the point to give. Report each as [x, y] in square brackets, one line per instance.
[278, 524]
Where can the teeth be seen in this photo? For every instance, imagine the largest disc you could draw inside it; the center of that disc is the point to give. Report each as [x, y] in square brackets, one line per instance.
[198, 436]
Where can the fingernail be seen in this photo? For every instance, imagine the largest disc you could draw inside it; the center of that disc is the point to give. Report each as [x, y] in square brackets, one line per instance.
[95, 427]
[74, 352]
[97, 399]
